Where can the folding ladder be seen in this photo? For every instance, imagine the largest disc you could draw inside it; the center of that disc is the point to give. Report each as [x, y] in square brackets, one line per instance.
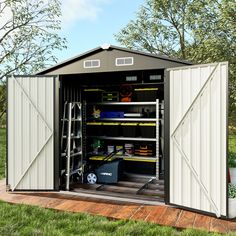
[72, 118]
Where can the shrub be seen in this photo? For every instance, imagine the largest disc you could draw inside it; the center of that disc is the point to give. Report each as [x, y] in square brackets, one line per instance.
[232, 191]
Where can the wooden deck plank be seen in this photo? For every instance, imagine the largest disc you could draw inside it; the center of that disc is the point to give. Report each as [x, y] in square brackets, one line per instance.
[162, 215]
[186, 220]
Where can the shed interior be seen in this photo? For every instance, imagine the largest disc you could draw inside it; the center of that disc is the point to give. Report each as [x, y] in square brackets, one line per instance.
[112, 129]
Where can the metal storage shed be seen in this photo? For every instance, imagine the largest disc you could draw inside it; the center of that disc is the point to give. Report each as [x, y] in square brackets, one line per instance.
[195, 121]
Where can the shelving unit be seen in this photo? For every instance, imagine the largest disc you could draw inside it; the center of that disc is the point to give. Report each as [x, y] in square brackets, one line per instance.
[155, 140]
[124, 119]
[124, 138]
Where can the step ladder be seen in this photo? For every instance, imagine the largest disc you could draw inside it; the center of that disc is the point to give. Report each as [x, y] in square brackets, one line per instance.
[72, 120]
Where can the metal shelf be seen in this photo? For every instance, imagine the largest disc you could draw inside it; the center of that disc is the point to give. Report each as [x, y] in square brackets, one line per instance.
[127, 158]
[142, 159]
[123, 103]
[137, 83]
[124, 119]
[124, 138]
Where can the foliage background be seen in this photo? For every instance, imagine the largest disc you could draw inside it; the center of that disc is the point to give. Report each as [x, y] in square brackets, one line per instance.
[28, 39]
[201, 31]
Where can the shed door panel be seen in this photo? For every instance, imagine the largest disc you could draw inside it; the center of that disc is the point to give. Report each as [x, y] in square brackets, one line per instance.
[30, 133]
[198, 101]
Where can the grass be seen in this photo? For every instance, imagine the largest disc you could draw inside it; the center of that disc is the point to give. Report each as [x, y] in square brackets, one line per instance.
[31, 220]
[2, 152]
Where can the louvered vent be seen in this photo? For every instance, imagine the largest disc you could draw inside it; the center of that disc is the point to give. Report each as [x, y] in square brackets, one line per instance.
[124, 61]
[91, 63]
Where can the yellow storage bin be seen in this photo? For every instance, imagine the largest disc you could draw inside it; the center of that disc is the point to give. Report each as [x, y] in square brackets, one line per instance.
[147, 130]
[94, 129]
[129, 129]
[112, 129]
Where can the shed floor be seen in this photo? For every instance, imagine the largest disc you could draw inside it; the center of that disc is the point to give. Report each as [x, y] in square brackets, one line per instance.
[162, 215]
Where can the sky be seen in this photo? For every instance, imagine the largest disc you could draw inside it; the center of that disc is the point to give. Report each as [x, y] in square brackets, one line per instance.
[87, 24]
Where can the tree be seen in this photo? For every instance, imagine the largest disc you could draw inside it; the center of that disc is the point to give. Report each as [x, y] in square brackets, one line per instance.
[201, 31]
[28, 36]
[161, 26]
[181, 27]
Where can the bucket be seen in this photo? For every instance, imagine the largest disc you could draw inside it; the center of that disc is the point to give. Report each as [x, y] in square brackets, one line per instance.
[129, 149]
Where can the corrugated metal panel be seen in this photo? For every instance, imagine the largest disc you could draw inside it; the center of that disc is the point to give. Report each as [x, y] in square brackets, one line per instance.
[198, 96]
[30, 133]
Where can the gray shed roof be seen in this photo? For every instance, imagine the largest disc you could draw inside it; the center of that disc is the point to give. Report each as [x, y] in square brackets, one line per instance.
[107, 55]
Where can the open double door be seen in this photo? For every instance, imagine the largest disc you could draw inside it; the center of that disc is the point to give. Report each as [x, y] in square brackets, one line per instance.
[195, 136]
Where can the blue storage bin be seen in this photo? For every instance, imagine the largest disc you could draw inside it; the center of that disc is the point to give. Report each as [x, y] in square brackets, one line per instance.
[112, 114]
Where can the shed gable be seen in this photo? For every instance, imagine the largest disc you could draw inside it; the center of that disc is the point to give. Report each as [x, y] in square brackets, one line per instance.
[108, 62]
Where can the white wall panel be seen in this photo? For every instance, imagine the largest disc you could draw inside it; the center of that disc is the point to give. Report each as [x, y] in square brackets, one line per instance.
[30, 133]
[198, 96]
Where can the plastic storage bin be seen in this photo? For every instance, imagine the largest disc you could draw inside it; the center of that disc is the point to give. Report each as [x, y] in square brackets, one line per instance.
[112, 129]
[93, 95]
[147, 150]
[94, 129]
[112, 114]
[129, 129]
[110, 97]
[147, 130]
[146, 94]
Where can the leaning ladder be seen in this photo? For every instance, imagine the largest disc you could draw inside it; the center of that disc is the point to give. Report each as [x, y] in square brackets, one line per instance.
[73, 110]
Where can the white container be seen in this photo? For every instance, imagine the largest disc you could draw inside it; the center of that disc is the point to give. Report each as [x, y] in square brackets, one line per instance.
[232, 207]
[233, 175]
[129, 149]
[110, 149]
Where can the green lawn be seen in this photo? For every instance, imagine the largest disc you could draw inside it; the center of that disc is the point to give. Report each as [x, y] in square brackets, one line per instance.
[28, 220]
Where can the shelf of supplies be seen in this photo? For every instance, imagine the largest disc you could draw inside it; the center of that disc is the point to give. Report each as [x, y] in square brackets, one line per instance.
[124, 138]
[126, 158]
[124, 119]
[123, 103]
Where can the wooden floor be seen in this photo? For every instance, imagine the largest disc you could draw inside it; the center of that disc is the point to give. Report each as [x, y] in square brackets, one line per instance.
[144, 189]
[162, 215]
